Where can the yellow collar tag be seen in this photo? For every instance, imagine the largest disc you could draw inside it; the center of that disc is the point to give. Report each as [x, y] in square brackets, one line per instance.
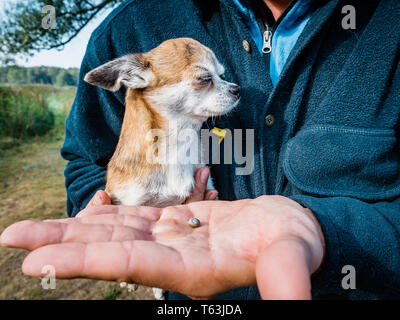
[220, 133]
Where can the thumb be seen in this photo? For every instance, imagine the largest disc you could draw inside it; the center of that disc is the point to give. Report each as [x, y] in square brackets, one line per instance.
[283, 272]
[100, 198]
[201, 178]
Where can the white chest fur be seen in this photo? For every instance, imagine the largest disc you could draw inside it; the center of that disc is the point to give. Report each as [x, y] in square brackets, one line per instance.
[173, 181]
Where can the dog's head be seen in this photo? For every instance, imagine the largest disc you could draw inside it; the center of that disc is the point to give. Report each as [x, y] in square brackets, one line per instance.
[181, 77]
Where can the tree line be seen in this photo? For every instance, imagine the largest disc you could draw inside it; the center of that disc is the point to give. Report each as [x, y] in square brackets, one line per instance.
[16, 75]
[21, 25]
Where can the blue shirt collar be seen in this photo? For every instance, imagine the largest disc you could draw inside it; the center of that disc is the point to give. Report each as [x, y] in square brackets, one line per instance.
[286, 33]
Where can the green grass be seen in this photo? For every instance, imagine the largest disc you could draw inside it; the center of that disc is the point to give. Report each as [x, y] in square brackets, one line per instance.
[112, 295]
[32, 187]
[32, 111]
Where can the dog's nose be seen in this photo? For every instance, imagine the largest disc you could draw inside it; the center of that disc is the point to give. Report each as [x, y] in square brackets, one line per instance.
[235, 90]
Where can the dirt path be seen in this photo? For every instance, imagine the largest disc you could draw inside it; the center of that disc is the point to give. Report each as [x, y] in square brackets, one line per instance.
[32, 187]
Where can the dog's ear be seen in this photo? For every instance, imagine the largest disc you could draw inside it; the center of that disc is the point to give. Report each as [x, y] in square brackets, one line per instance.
[132, 70]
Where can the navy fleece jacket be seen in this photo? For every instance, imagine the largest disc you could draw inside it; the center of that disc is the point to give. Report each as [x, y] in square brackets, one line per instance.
[334, 146]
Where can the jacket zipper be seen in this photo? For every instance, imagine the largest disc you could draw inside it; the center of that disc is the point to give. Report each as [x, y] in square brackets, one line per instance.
[267, 37]
[269, 32]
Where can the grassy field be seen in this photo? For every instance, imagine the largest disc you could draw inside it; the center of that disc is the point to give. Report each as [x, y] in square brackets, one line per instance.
[32, 187]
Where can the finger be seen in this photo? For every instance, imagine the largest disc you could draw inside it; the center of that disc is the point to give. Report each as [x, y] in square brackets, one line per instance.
[63, 220]
[211, 195]
[201, 178]
[118, 220]
[109, 219]
[100, 198]
[142, 262]
[34, 234]
[149, 213]
[282, 271]
[202, 298]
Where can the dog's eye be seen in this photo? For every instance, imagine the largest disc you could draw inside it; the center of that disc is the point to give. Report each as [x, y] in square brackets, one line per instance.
[205, 79]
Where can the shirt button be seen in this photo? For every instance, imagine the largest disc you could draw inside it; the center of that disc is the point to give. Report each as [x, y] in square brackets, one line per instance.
[269, 120]
[246, 46]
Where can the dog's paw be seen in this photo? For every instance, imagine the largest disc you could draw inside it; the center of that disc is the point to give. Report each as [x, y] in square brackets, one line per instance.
[159, 294]
[130, 286]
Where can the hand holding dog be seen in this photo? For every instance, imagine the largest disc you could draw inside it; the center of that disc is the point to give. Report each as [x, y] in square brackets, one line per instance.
[270, 240]
[199, 192]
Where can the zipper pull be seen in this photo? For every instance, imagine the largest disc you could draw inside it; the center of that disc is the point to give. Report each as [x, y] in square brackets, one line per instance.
[267, 37]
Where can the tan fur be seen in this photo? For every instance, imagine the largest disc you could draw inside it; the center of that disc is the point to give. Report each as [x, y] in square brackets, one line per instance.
[179, 56]
[129, 160]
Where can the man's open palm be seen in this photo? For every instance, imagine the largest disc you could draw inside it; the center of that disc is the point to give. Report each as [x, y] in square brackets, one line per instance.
[236, 243]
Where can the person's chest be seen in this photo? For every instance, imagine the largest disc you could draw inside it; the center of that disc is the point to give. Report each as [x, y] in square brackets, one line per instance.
[334, 77]
[336, 89]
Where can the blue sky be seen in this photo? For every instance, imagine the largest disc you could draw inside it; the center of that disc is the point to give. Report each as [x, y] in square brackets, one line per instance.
[72, 53]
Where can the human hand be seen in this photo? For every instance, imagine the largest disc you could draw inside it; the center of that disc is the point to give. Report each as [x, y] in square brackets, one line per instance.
[200, 192]
[270, 240]
[100, 198]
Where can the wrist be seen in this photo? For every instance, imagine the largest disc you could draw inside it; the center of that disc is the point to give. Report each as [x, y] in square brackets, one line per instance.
[321, 238]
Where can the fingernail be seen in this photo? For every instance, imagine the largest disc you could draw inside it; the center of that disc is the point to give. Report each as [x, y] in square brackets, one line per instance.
[204, 176]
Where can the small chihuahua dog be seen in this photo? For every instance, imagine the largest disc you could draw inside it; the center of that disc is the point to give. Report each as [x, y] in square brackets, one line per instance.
[176, 86]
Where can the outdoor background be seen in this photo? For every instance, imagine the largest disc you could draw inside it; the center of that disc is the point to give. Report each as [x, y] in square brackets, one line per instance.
[37, 89]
